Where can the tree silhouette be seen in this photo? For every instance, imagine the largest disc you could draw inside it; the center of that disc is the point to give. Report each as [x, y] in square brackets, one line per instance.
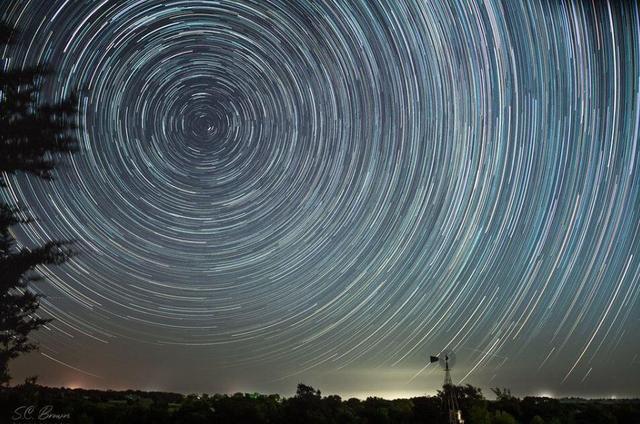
[32, 132]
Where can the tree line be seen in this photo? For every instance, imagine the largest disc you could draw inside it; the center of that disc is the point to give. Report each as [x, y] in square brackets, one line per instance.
[34, 134]
[308, 406]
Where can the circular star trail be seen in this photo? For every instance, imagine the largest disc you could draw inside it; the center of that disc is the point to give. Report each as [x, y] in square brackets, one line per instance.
[270, 191]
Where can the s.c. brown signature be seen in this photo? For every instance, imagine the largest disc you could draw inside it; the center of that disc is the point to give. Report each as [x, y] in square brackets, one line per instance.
[32, 413]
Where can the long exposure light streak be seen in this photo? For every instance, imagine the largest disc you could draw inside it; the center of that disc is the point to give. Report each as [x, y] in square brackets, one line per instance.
[273, 191]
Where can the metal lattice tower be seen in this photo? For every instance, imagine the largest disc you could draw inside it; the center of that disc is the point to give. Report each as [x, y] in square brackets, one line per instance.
[453, 409]
[455, 417]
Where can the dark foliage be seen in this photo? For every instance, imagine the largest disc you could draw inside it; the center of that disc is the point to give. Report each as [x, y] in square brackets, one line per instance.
[308, 406]
[31, 134]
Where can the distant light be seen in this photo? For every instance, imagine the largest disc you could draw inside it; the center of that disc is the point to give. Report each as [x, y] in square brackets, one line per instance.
[74, 385]
[389, 394]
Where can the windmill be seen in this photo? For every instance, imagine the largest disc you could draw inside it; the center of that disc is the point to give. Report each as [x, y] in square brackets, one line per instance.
[447, 360]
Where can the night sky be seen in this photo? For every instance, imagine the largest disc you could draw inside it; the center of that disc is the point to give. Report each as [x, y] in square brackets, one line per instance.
[269, 193]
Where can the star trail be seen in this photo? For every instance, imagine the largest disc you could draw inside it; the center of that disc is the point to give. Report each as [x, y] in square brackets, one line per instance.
[270, 192]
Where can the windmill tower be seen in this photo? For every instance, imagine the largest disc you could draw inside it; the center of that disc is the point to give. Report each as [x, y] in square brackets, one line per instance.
[447, 359]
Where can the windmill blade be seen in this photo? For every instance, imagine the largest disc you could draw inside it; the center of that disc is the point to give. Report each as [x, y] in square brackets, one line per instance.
[447, 356]
[434, 359]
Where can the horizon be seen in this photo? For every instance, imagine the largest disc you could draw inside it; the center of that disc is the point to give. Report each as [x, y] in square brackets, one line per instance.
[435, 384]
[488, 394]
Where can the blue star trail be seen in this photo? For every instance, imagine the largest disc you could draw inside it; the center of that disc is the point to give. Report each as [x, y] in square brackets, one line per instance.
[270, 192]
